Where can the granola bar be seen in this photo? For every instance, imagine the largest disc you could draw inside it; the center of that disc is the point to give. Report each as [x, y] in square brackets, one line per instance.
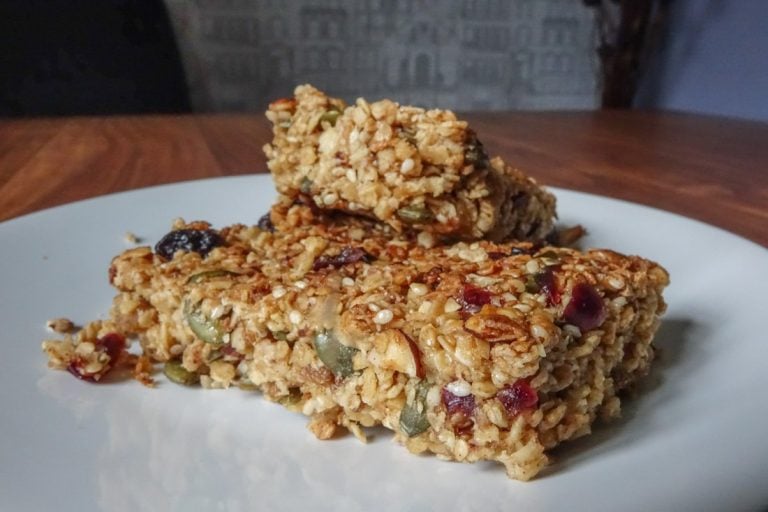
[411, 168]
[475, 351]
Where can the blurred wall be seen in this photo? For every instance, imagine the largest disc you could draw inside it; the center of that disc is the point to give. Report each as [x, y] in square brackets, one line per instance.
[69, 57]
[461, 54]
[714, 60]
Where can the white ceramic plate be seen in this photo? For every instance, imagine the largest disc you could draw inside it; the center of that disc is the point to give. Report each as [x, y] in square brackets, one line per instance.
[695, 440]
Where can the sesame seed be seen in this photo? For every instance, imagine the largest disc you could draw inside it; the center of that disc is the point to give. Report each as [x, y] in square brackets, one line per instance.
[525, 308]
[329, 199]
[532, 266]
[278, 291]
[616, 283]
[373, 307]
[418, 289]
[300, 285]
[348, 281]
[295, 317]
[383, 317]
[459, 388]
[539, 332]
[451, 306]
[572, 330]
[426, 239]
[619, 302]
[407, 165]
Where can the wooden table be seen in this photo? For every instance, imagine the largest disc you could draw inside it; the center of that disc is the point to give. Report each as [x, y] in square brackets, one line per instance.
[708, 168]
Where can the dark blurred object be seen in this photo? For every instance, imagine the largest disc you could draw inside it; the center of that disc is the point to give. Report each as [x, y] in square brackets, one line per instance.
[629, 35]
[70, 57]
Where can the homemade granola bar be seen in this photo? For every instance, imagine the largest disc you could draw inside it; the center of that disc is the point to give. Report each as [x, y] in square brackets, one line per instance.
[411, 168]
[475, 351]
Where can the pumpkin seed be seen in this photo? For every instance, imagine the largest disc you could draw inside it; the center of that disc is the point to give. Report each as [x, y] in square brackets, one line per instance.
[335, 355]
[413, 417]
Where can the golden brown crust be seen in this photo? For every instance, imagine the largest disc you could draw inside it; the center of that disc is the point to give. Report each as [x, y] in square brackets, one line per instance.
[414, 169]
[355, 340]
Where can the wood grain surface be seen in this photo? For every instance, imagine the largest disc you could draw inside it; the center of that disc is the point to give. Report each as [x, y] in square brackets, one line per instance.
[708, 168]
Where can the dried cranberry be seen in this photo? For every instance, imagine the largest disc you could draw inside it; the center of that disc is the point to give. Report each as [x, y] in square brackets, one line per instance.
[518, 397]
[201, 241]
[346, 256]
[548, 285]
[461, 411]
[112, 344]
[458, 404]
[265, 223]
[473, 298]
[585, 310]
[497, 255]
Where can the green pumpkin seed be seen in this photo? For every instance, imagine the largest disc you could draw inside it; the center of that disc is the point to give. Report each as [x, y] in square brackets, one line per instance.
[331, 116]
[414, 214]
[209, 274]
[531, 285]
[207, 329]
[335, 355]
[413, 417]
[306, 186]
[180, 375]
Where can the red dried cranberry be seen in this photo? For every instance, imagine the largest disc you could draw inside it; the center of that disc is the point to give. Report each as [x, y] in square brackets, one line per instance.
[461, 411]
[76, 368]
[548, 285]
[497, 255]
[265, 223]
[518, 397]
[201, 241]
[346, 256]
[112, 344]
[473, 298]
[458, 404]
[585, 310]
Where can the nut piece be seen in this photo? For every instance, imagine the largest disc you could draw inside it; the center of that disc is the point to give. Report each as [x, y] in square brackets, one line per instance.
[492, 325]
[393, 350]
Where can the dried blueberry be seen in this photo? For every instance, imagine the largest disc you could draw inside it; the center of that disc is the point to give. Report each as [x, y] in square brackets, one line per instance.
[201, 241]
[346, 256]
[265, 223]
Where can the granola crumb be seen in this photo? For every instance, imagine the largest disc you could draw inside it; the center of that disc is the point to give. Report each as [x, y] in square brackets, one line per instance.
[143, 370]
[60, 325]
[131, 239]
